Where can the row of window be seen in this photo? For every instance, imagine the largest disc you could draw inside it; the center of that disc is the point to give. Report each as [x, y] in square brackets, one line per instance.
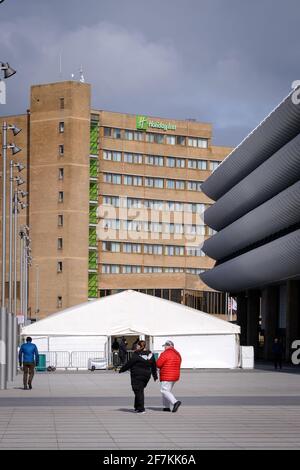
[147, 249]
[149, 182]
[156, 138]
[154, 204]
[133, 269]
[156, 160]
[156, 227]
[130, 269]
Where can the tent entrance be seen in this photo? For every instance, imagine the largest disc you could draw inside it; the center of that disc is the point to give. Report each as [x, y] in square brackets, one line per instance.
[113, 347]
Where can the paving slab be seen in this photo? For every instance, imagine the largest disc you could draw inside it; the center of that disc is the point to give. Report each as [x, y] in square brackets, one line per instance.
[258, 409]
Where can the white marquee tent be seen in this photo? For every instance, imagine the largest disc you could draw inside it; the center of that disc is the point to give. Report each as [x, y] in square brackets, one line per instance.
[203, 340]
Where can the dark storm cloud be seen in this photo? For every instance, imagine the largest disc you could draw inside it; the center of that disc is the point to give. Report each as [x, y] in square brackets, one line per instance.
[228, 62]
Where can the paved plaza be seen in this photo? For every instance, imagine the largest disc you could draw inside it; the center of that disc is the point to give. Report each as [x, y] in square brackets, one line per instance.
[236, 409]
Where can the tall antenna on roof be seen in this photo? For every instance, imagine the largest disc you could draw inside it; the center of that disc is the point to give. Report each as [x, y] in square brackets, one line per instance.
[81, 79]
[60, 66]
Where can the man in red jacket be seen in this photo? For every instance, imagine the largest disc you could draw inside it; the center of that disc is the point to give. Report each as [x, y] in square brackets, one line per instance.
[169, 364]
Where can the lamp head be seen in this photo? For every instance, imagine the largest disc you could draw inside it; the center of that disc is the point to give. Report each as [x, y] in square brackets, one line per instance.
[15, 149]
[8, 71]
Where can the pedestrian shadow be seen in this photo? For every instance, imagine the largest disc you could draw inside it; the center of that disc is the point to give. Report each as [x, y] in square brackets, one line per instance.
[126, 410]
[153, 409]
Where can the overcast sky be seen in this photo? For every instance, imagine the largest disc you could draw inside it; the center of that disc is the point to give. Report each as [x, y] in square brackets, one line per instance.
[228, 62]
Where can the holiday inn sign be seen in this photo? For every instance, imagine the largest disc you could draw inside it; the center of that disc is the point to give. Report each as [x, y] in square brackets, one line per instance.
[143, 123]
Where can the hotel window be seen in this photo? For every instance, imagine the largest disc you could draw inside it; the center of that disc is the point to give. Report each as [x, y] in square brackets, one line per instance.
[60, 196]
[202, 165]
[155, 227]
[213, 165]
[61, 149]
[155, 138]
[107, 155]
[158, 183]
[191, 185]
[170, 162]
[111, 200]
[116, 133]
[61, 127]
[135, 203]
[169, 250]
[153, 249]
[170, 184]
[110, 224]
[59, 267]
[196, 142]
[178, 228]
[194, 251]
[129, 135]
[194, 186]
[115, 269]
[62, 103]
[131, 269]
[178, 206]
[107, 131]
[149, 182]
[153, 160]
[180, 162]
[59, 301]
[128, 158]
[174, 250]
[153, 269]
[60, 173]
[171, 139]
[112, 178]
[114, 156]
[192, 164]
[110, 269]
[128, 180]
[133, 158]
[179, 184]
[113, 247]
[139, 136]
[60, 243]
[137, 181]
[180, 140]
[60, 220]
[132, 248]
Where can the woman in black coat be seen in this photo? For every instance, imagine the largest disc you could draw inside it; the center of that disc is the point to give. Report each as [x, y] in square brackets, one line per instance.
[141, 365]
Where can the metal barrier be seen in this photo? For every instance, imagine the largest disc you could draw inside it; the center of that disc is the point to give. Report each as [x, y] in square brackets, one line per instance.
[70, 360]
[79, 359]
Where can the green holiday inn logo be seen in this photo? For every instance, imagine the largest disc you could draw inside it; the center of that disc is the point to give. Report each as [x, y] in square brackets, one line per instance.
[143, 123]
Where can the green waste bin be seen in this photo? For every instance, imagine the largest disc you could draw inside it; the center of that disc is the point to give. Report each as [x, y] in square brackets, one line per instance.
[42, 363]
[156, 356]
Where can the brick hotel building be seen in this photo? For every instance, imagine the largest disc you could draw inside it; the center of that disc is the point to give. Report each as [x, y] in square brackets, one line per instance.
[115, 201]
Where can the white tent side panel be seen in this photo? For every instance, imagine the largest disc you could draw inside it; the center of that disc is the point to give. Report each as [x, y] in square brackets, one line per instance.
[203, 351]
[71, 343]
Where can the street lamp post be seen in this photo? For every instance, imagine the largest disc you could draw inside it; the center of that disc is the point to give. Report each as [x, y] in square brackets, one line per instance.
[3, 377]
[8, 72]
[37, 309]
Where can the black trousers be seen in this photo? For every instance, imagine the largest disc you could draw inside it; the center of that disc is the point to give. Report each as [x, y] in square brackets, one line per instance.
[138, 386]
[278, 361]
